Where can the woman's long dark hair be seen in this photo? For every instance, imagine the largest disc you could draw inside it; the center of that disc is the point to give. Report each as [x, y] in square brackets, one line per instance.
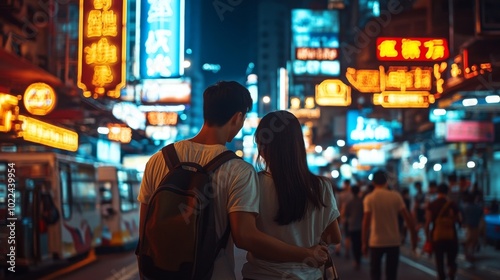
[280, 142]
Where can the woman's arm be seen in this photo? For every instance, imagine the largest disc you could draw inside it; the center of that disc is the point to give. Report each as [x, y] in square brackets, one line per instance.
[332, 234]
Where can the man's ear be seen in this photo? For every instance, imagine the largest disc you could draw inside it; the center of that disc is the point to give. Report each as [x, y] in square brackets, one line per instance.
[234, 118]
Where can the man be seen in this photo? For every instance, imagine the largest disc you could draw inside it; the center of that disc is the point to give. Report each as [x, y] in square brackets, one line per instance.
[448, 247]
[419, 205]
[380, 231]
[343, 198]
[236, 200]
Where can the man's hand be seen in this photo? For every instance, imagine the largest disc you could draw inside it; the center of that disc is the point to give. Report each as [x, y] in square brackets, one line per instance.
[318, 255]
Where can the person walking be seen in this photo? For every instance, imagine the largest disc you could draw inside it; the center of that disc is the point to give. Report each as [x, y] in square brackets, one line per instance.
[236, 196]
[343, 198]
[443, 213]
[380, 230]
[353, 214]
[296, 206]
[472, 214]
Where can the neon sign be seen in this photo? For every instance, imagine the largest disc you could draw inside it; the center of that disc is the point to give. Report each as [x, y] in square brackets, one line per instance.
[47, 134]
[102, 47]
[333, 92]
[39, 99]
[397, 78]
[119, 133]
[408, 99]
[162, 118]
[316, 53]
[8, 104]
[161, 41]
[412, 49]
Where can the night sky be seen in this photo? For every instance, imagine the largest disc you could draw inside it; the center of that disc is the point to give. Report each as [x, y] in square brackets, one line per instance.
[230, 42]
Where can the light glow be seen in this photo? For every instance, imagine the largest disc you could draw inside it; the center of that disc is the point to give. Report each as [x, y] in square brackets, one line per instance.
[469, 102]
[492, 99]
[47, 134]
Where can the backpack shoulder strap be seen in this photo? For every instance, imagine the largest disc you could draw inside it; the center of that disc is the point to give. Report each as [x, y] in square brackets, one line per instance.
[219, 160]
[443, 209]
[170, 156]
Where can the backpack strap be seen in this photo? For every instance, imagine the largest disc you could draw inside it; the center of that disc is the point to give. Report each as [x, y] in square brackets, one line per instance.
[445, 207]
[219, 160]
[170, 156]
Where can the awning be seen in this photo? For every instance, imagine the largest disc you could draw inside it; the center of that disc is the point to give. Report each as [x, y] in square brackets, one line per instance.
[16, 72]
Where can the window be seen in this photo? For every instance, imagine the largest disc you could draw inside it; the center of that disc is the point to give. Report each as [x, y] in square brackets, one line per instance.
[83, 188]
[128, 181]
[65, 191]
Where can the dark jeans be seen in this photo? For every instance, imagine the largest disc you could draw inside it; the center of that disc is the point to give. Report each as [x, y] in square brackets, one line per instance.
[450, 248]
[391, 262]
[356, 245]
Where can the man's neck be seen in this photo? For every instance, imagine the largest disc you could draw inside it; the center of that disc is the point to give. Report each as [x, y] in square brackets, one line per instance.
[211, 135]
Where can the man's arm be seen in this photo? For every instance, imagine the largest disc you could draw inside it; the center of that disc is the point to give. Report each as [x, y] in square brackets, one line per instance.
[428, 220]
[246, 236]
[142, 217]
[410, 225]
[365, 230]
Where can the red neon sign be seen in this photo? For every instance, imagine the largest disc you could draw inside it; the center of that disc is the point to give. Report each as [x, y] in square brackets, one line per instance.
[412, 49]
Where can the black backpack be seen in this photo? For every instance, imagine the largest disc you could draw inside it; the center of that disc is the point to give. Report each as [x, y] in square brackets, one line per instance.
[179, 240]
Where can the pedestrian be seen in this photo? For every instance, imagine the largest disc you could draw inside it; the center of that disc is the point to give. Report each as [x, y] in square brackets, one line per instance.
[405, 194]
[353, 214]
[235, 193]
[443, 214]
[296, 206]
[380, 231]
[343, 198]
[418, 207]
[472, 214]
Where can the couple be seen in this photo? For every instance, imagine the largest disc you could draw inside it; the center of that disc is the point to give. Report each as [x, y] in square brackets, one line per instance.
[280, 215]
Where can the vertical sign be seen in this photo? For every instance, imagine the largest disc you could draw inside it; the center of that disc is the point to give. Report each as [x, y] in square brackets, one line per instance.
[102, 47]
[161, 38]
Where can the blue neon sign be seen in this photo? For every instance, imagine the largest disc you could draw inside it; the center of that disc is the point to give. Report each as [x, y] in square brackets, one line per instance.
[161, 42]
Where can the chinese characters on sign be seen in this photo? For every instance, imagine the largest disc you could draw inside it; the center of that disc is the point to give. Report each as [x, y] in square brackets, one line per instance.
[102, 47]
[412, 49]
[316, 53]
[161, 38]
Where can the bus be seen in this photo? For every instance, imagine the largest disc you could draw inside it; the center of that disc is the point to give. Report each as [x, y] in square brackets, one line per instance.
[118, 190]
[51, 201]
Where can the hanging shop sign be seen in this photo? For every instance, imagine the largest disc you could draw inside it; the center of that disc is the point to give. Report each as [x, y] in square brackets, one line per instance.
[102, 47]
[398, 99]
[47, 134]
[8, 103]
[162, 118]
[412, 49]
[333, 92]
[119, 133]
[39, 99]
[316, 53]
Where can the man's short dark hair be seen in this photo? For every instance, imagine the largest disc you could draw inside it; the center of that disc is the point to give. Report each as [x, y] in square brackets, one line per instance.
[379, 177]
[355, 190]
[222, 100]
[442, 188]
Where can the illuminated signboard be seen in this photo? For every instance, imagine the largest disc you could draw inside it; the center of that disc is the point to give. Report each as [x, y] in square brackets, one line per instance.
[412, 49]
[47, 134]
[161, 41]
[7, 104]
[316, 54]
[102, 47]
[39, 99]
[166, 91]
[119, 133]
[315, 40]
[333, 92]
[399, 99]
[470, 131]
[397, 78]
[161, 118]
[364, 130]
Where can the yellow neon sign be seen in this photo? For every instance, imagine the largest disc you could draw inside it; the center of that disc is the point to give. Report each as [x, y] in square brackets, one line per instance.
[333, 92]
[119, 133]
[7, 103]
[102, 47]
[398, 99]
[39, 99]
[47, 134]
[365, 80]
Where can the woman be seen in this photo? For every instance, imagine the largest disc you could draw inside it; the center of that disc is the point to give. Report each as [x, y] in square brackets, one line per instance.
[296, 206]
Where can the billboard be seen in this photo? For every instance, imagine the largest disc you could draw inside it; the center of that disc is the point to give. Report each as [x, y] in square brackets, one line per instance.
[161, 39]
[366, 130]
[102, 48]
[315, 42]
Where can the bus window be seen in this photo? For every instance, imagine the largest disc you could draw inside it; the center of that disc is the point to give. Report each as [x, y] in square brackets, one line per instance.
[105, 191]
[84, 193]
[126, 201]
[65, 191]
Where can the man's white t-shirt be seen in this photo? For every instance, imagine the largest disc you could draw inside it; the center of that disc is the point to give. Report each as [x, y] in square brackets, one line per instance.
[305, 233]
[235, 186]
[384, 206]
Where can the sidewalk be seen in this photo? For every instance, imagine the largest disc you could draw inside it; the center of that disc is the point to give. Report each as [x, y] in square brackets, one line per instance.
[486, 266]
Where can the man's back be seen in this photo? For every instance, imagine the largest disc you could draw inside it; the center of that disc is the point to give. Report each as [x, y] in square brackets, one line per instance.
[234, 190]
[384, 206]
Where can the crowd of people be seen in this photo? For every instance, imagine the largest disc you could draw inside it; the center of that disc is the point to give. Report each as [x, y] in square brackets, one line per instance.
[456, 204]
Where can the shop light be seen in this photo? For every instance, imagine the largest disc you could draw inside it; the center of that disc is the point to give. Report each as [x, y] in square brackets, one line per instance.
[492, 99]
[103, 130]
[469, 102]
[343, 158]
[340, 143]
[437, 167]
[318, 149]
[335, 173]
[439, 112]
[471, 164]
